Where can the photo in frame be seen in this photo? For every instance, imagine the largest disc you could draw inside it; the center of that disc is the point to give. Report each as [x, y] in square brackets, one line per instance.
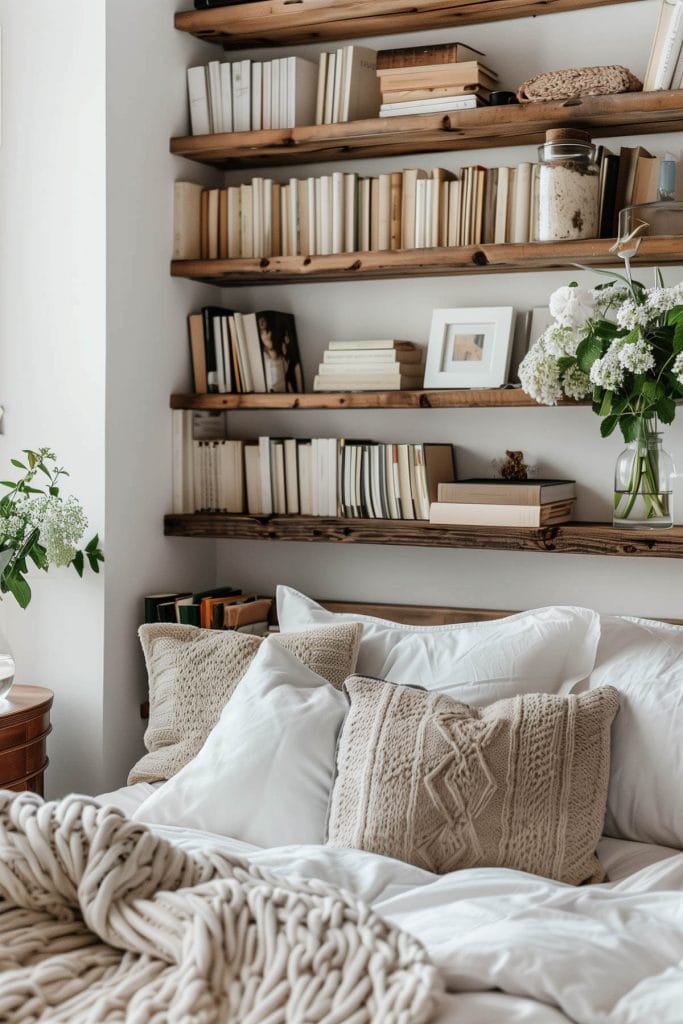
[469, 347]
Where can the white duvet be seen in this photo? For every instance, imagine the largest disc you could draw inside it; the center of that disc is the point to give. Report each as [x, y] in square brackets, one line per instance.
[514, 947]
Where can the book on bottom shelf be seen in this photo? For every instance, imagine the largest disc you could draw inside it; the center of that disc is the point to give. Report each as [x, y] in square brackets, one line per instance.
[480, 514]
[482, 490]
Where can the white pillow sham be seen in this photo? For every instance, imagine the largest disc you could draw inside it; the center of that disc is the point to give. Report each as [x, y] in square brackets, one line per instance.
[643, 660]
[264, 774]
[547, 650]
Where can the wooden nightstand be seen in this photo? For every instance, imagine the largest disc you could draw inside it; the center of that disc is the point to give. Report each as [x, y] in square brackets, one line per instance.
[24, 728]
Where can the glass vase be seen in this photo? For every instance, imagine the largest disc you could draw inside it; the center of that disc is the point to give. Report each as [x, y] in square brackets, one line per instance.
[642, 483]
[6, 667]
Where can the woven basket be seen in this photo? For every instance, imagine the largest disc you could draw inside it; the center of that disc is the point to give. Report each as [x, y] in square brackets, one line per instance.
[573, 82]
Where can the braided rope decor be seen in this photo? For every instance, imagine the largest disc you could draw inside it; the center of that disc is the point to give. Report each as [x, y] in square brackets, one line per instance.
[101, 920]
[573, 82]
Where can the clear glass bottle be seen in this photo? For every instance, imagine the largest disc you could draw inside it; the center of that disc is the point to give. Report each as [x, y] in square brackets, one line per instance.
[643, 498]
[6, 667]
[568, 191]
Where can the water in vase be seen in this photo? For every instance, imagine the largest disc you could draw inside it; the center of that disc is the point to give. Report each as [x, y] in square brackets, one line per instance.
[643, 511]
[6, 674]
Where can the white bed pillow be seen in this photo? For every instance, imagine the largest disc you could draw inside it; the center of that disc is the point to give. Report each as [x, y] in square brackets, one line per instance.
[643, 660]
[547, 650]
[264, 774]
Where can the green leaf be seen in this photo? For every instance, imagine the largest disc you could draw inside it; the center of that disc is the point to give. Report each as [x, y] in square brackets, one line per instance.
[19, 589]
[8, 483]
[32, 458]
[630, 426]
[18, 464]
[606, 405]
[608, 424]
[93, 544]
[54, 491]
[666, 409]
[651, 390]
[93, 560]
[589, 350]
[78, 563]
[5, 557]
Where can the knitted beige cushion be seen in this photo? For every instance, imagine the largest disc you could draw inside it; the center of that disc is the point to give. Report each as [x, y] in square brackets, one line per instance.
[519, 784]
[193, 673]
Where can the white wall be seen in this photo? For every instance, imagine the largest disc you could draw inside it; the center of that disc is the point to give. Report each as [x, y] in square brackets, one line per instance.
[52, 338]
[564, 442]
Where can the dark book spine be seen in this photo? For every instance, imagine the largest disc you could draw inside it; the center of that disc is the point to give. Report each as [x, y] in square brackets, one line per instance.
[608, 196]
[210, 349]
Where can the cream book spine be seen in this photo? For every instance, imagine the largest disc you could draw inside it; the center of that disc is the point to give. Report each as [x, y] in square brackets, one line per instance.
[198, 98]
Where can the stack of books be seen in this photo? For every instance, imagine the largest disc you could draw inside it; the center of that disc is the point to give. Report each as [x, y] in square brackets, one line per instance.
[220, 608]
[244, 352]
[348, 89]
[382, 365]
[431, 79]
[484, 502]
[665, 65]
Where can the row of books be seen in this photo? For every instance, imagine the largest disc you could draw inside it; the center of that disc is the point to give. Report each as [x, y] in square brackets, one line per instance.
[316, 476]
[665, 63]
[247, 95]
[244, 352]
[383, 364]
[410, 209]
[487, 502]
[348, 89]
[431, 88]
[219, 608]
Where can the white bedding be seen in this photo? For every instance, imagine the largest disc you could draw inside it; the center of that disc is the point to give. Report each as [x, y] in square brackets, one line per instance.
[605, 954]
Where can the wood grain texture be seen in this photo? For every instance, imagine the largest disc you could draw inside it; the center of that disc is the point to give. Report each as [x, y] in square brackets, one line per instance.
[569, 538]
[482, 128]
[462, 398]
[286, 22]
[472, 259]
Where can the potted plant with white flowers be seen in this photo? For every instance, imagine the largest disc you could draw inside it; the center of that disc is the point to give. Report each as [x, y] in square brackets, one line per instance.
[621, 344]
[38, 525]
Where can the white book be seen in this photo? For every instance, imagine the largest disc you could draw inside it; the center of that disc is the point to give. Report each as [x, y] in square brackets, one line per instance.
[677, 80]
[475, 514]
[312, 218]
[304, 455]
[466, 101]
[430, 241]
[268, 217]
[226, 96]
[243, 354]
[390, 454]
[257, 216]
[338, 212]
[284, 92]
[420, 212]
[454, 211]
[295, 241]
[325, 215]
[361, 96]
[254, 352]
[405, 491]
[351, 212]
[369, 343]
[230, 457]
[320, 92]
[215, 95]
[241, 95]
[384, 213]
[187, 203]
[246, 221]
[333, 476]
[666, 46]
[266, 483]
[302, 78]
[225, 351]
[267, 89]
[500, 227]
[198, 98]
[182, 458]
[329, 87]
[198, 477]
[338, 74]
[521, 204]
[277, 477]
[252, 478]
[218, 354]
[364, 190]
[256, 96]
[275, 93]
[234, 222]
[291, 477]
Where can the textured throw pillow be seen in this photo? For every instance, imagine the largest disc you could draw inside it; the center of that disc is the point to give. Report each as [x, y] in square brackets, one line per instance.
[520, 784]
[643, 660]
[193, 674]
[265, 772]
[547, 650]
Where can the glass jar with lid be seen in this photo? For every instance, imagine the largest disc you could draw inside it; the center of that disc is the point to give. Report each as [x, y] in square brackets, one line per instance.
[568, 193]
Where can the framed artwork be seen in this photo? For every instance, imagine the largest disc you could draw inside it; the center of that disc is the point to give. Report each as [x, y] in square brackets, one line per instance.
[469, 348]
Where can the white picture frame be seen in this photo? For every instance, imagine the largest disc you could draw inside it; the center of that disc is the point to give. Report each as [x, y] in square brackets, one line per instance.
[469, 347]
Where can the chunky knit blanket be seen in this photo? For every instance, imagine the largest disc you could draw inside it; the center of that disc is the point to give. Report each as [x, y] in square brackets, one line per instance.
[101, 920]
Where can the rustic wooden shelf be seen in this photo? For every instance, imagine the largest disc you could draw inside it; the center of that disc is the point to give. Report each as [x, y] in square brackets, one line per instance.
[485, 127]
[472, 259]
[464, 398]
[570, 538]
[289, 22]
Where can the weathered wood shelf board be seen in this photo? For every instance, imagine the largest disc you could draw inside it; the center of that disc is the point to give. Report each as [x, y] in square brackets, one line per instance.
[288, 22]
[465, 398]
[570, 538]
[486, 127]
[472, 259]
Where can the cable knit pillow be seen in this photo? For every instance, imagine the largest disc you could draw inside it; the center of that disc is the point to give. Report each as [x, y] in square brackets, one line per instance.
[521, 783]
[193, 674]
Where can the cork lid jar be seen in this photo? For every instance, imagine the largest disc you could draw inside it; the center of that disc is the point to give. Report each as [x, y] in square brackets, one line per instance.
[567, 199]
[569, 144]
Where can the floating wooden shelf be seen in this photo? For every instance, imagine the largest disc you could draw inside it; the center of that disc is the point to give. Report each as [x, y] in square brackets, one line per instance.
[571, 538]
[289, 22]
[472, 259]
[485, 127]
[465, 398]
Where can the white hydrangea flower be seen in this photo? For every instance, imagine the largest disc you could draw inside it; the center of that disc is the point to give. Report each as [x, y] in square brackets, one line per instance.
[631, 315]
[540, 375]
[605, 299]
[63, 526]
[576, 384]
[637, 356]
[562, 341]
[608, 371]
[571, 307]
[677, 368]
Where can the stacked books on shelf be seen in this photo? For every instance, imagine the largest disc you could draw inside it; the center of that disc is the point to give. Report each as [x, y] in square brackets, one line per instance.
[219, 608]
[431, 79]
[382, 365]
[485, 502]
[310, 476]
[665, 64]
[348, 89]
[248, 95]
[244, 352]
